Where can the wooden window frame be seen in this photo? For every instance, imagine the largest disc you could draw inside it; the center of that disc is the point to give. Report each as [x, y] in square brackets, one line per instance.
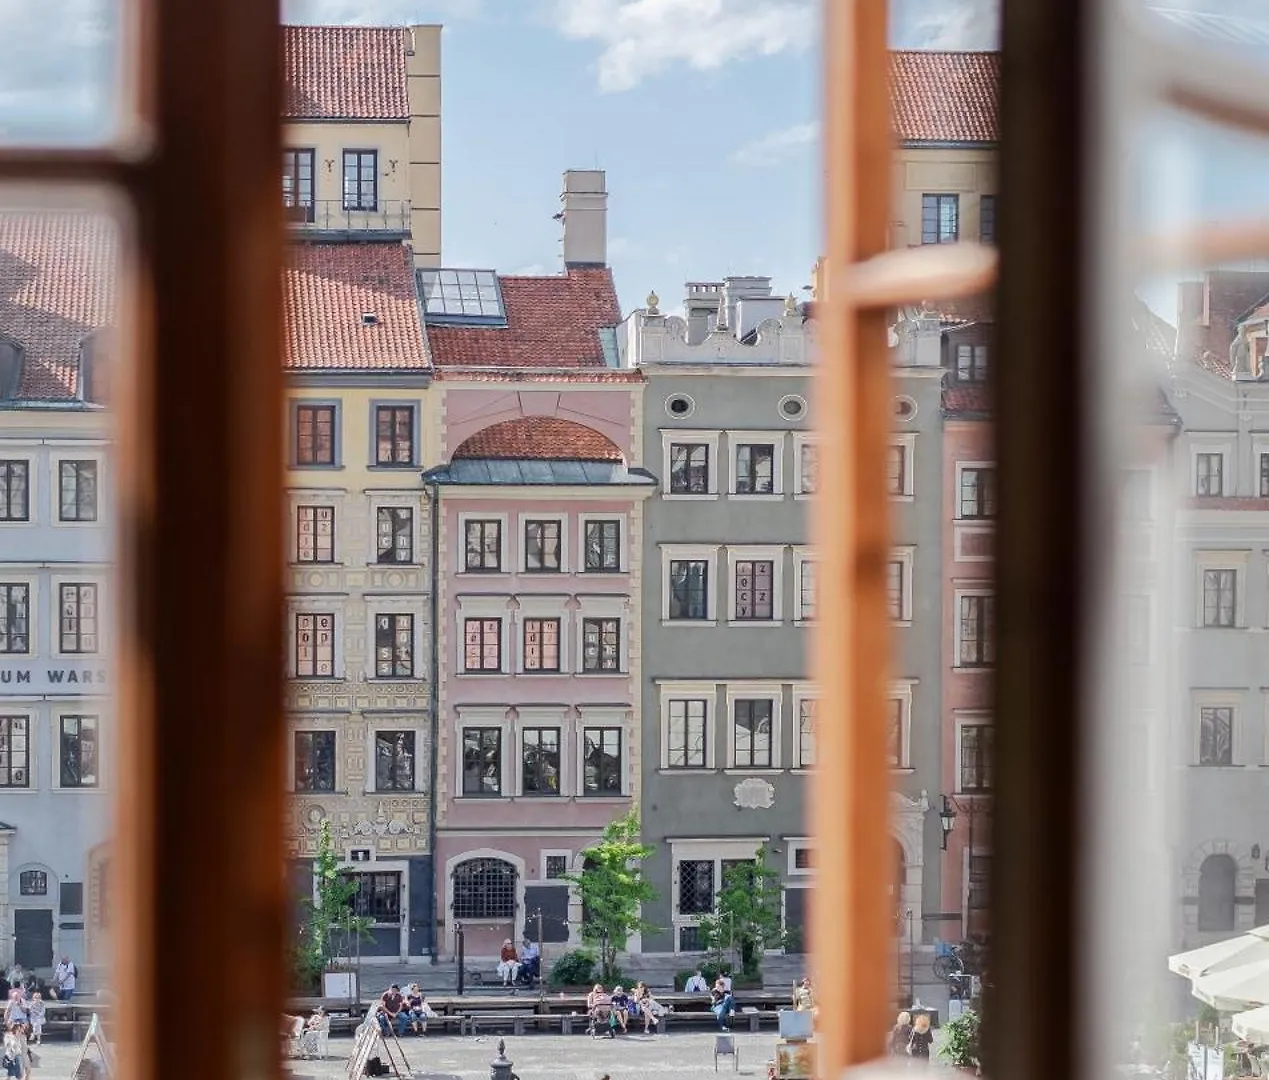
[359, 203]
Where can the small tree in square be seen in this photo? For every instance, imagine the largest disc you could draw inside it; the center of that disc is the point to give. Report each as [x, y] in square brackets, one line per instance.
[612, 890]
[747, 913]
[331, 924]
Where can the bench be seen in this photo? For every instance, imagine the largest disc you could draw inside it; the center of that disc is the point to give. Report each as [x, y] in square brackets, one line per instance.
[499, 1020]
[750, 1016]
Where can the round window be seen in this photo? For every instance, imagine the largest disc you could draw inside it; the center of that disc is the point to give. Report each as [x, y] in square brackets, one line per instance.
[904, 408]
[680, 406]
[792, 407]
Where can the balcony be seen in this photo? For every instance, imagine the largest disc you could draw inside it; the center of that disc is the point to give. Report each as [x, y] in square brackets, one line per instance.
[329, 217]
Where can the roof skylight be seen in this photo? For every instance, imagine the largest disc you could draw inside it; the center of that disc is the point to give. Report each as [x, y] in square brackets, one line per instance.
[462, 296]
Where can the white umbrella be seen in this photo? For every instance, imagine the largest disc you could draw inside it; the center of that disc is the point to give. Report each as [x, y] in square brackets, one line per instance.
[1236, 989]
[1250, 947]
[1253, 1025]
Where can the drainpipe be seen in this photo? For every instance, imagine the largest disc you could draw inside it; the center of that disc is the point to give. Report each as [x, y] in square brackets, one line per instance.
[434, 695]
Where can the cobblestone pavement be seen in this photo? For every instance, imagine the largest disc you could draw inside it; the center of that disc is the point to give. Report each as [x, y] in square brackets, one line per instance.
[533, 1057]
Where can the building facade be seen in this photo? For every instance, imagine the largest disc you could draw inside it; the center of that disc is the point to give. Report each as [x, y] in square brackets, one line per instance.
[539, 559]
[359, 677]
[362, 113]
[56, 586]
[728, 593]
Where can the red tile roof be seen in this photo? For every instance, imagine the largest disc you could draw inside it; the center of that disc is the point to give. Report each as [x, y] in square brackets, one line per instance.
[58, 273]
[966, 402]
[552, 322]
[945, 96]
[545, 437]
[327, 289]
[589, 375]
[344, 73]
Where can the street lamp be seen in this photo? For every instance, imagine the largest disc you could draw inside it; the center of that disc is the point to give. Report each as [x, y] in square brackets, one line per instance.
[947, 818]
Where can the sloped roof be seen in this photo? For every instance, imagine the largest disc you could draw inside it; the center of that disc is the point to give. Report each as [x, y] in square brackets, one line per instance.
[522, 472]
[58, 273]
[945, 97]
[547, 438]
[344, 73]
[327, 288]
[553, 321]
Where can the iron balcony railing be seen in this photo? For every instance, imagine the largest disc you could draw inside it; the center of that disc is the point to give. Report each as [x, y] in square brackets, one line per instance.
[333, 215]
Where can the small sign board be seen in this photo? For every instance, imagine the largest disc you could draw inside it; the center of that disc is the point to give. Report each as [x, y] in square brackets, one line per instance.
[369, 1039]
[104, 1065]
[1205, 1062]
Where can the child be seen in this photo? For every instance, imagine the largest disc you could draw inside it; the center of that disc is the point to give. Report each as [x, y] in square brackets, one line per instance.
[36, 1012]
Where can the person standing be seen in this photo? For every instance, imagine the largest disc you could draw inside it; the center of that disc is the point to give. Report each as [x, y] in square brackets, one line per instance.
[921, 1039]
[64, 977]
[901, 1034]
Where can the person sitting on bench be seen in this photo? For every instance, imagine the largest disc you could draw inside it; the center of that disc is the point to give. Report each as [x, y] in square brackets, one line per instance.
[508, 963]
[599, 1010]
[530, 960]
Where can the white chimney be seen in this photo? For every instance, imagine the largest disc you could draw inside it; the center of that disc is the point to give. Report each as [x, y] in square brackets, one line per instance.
[585, 218]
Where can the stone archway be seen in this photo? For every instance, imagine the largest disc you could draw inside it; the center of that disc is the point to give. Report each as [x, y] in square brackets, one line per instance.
[907, 828]
[1192, 882]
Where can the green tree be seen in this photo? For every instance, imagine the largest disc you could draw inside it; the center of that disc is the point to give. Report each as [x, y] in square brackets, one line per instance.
[331, 925]
[747, 913]
[612, 890]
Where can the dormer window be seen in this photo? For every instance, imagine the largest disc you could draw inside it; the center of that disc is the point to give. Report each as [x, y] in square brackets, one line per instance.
[10, 369]
[93, 373]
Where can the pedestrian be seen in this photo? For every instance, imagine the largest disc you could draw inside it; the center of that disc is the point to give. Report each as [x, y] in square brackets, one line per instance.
[901, 1034]
[921, 1039]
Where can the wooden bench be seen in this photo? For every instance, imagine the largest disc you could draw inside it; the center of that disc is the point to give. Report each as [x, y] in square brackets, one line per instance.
[499, 1020]
[445, 1024]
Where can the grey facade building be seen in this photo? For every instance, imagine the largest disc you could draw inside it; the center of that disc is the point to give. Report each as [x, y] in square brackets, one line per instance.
[56, 534]
[728, 593]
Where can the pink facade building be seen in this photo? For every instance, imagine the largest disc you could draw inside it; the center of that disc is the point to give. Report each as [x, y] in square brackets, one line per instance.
[538, 500]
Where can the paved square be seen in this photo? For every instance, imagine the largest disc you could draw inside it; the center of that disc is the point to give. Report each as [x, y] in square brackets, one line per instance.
[533, 1057]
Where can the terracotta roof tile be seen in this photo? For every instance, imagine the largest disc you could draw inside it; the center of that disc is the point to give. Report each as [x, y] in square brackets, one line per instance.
[966, 402]
[344, 73]
[552, 322]
[328, 287]
[545, 437]
[58, 273]
[589, 375]
[945, 96]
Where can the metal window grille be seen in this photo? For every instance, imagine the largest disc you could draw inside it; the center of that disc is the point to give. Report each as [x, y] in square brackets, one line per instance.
[315, 434]
[15, 613]
[752, 720]
[603, 546]
[540, 761]
[601, 761]
[482, 645]
[15, 750]
[33, 883]
[79, 618]
[541, 644]
[15, 504]
[482, 761]
[1220, 595]
[315, 645]
[696, 887]
[315, 534]
[755, 598]
[394, 434]
[314, 761]
[79, 751]
[689, 468]
[556, 867]
[394, 645]
[541, 545]
[687, 734]
[1216, 735]
[78, 500]
[689, 579]
[755, 469]
[483, 546]
[484, 889]
[394, 760]
[378, 897]
[395, 529]
[601, 644]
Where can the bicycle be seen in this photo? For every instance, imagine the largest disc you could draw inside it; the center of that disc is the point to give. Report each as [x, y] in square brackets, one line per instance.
[953, 962]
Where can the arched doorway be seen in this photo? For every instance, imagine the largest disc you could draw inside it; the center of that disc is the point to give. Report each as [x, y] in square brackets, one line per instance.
[1218, 878]
[484, 903]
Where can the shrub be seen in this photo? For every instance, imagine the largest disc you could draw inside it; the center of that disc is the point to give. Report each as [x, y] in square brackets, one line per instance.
[576, 968]
[960, 1041]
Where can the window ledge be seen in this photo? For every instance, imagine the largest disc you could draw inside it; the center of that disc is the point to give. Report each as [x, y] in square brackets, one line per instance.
[297, 467]
[484, 798]
[977, 669]
[420, 679]
[483, 573]
[378, 467]
[806, 622]
[688, 496]
[601, 800]
[902, 770]
[665, 770]
[902, 498]
[803, 770]
[766, 770]
[602, 674]
[295, 564]
[464, 674]
[989, 522]
[774, 496]
[804, 496]
[902, 624]
[375, 562]
[755, 622]
[689, 622]
[1213, 768]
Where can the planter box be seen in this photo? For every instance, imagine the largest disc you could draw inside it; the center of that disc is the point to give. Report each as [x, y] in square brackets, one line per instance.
[339, 984]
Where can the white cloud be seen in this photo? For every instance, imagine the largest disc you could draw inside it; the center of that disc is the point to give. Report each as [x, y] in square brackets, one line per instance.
[777, 145]
[378, 12]
[641, 38]
[946, 24]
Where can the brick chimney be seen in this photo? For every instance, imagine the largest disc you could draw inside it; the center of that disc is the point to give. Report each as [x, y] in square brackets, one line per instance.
[584, 215]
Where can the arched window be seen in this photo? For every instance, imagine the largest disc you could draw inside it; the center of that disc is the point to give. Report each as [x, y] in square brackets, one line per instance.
[1217, 876]
[484, 889]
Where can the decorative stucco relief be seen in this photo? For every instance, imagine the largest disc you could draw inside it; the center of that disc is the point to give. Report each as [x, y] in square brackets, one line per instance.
[755, 793]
